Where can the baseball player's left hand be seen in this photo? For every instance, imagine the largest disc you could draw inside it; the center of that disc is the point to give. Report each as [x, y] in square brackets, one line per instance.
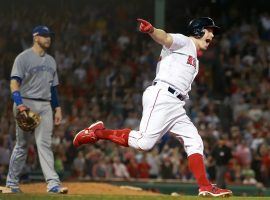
[58, 116]
[26, 119]
[145, 26]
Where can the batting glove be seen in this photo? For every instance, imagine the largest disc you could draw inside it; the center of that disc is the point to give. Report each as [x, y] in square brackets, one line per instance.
[145, 26]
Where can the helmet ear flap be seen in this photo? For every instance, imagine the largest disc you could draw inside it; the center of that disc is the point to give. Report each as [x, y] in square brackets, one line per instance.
[198, 33]
[202, 32]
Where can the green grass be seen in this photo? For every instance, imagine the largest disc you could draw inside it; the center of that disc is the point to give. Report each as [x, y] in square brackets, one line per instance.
[111, 197]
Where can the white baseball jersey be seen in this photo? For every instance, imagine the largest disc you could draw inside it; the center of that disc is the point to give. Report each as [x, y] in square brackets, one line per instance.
[178, 65]
[163, 110]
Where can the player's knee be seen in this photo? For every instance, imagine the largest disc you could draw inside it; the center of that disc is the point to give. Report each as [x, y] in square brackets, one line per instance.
[43, 144]
[196, 147]
[145, 145]
[144, 148]
[199, 145]
[22, 144]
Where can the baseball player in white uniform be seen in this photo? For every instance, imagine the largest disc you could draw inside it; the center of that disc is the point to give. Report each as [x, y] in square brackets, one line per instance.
[163, 102]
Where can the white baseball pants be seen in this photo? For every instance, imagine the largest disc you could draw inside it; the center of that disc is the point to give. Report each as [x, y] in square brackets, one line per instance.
[163, 112]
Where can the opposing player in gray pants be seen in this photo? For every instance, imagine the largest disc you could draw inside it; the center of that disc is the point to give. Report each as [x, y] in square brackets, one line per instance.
[33, 85]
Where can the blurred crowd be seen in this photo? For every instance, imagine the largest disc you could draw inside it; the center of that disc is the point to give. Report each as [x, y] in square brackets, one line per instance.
[104, 64]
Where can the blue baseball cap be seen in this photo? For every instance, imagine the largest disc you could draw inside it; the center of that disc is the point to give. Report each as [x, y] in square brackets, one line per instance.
[42, 31]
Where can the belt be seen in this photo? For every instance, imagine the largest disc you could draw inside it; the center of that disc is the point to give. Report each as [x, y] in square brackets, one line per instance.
[36, 99]
[172, 91]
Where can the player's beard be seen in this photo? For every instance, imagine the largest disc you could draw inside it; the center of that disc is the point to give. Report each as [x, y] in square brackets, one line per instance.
[44, 45]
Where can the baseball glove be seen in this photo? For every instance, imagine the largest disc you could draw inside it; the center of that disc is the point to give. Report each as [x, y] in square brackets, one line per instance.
[27, 120]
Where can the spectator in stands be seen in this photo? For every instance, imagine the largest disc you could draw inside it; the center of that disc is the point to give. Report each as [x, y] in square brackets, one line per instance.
[119, 169]
[78, 165]
[100, 170]
[132, 167]
[222, 155]
[143, 168]
[166, 168]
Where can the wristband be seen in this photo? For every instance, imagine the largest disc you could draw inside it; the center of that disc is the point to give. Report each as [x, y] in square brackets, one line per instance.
[16, 95]
[151, 30]
[54, 97]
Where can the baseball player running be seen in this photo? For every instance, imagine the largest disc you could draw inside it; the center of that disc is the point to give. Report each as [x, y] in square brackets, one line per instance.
[163, 102]
[33, 86]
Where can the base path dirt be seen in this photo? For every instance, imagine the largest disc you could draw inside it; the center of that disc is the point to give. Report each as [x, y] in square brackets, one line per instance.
[88, 188]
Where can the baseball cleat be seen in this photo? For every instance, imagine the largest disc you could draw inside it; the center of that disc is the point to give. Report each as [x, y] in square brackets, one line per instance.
[58, 190]
[87, 135]
[213, 191]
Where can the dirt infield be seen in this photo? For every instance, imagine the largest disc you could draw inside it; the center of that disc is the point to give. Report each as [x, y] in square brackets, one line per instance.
[88, 188]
